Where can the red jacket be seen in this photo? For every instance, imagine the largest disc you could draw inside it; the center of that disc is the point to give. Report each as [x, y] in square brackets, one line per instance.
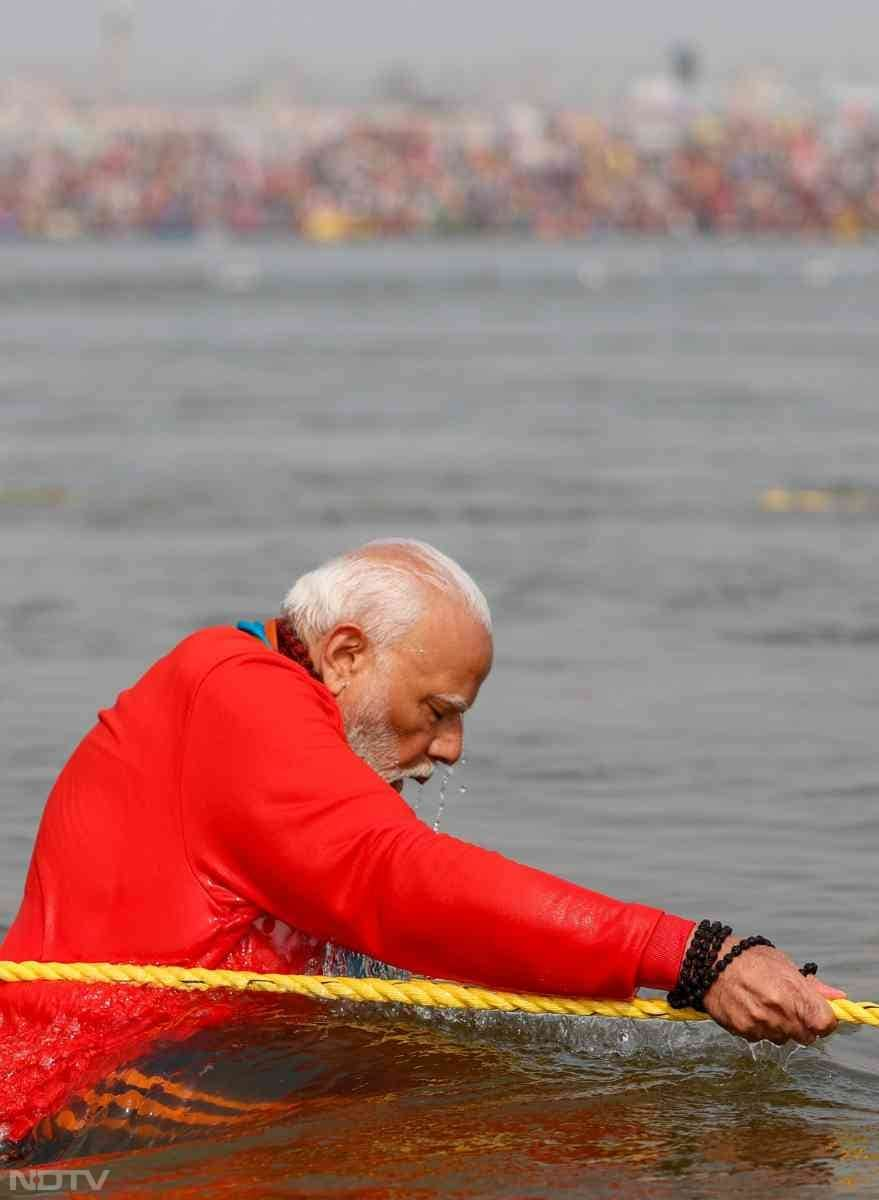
[216, 816]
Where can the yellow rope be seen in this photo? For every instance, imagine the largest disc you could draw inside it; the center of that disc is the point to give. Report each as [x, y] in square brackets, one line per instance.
[427, 993]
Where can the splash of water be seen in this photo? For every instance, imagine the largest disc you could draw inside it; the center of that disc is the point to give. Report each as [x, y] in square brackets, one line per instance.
[689, 1043]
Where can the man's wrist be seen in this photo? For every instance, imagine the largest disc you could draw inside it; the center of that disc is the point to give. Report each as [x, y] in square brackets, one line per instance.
[661, 961]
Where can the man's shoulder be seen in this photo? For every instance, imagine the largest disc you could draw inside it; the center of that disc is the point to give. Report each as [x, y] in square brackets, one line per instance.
[201, 651]
[218, 640]
[222, 650]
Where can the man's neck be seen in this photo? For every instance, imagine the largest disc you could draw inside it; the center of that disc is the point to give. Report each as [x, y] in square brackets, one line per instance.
[286, 640]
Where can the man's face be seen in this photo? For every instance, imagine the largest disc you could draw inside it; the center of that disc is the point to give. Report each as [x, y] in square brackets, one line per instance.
[406, 712]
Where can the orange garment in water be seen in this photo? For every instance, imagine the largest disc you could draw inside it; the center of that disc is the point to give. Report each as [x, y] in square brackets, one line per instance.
[215, 816]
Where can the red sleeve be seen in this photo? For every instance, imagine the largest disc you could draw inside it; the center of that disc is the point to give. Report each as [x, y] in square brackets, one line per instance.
[279, 810]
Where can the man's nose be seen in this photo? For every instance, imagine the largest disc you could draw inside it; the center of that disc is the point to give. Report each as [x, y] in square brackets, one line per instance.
[446, 747]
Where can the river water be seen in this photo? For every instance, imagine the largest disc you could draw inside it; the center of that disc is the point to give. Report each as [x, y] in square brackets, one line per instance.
[684, 704]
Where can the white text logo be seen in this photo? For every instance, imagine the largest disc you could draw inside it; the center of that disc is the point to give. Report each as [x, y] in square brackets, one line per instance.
[46, 1182]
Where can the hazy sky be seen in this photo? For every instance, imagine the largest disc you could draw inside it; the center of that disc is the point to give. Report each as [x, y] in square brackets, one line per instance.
[205, 41]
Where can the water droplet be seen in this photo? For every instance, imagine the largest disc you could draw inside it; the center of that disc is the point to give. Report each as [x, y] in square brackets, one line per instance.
[445, 779]
[441, 804]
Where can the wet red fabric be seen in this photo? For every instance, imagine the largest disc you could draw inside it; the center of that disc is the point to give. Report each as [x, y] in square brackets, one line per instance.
[215, 808]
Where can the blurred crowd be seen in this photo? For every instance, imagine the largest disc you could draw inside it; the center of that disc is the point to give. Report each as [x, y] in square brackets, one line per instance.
[333, 175]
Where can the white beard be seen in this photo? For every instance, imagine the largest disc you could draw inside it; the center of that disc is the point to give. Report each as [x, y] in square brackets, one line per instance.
[375, 744]
[369, 734]
[372, 739]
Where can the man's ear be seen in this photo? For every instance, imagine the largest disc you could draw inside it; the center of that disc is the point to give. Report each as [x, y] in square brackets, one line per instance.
[343, 656]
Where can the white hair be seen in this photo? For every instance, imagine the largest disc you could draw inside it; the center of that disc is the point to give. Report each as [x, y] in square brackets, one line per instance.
[383, 587]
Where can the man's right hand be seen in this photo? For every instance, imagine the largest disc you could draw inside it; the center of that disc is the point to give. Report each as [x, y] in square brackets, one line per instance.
[763, 995]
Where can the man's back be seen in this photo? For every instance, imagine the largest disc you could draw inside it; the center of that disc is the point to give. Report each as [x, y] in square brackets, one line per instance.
[110, 877]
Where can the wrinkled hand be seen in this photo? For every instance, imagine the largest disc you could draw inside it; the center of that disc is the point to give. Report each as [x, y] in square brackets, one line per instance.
[763, 995]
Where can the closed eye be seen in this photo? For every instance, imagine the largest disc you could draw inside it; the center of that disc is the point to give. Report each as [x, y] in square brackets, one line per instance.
[444, 707]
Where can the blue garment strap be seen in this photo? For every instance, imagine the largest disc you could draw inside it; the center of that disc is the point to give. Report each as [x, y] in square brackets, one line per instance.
[255, 629]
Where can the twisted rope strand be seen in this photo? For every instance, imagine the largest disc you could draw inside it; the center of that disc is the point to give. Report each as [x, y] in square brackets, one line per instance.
[426, 993]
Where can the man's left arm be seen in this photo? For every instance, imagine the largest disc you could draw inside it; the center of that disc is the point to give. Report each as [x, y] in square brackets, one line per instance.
[279, 810]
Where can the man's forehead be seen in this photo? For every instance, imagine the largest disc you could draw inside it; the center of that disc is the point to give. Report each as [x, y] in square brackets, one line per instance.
[447, 623]
[461, 649]
[450, 651]
[449, 675]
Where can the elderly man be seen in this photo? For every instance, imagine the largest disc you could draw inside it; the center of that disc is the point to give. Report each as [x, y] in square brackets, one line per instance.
[239, 806]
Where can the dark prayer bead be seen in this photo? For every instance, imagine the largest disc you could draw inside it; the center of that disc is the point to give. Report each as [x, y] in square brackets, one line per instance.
[701, 967]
